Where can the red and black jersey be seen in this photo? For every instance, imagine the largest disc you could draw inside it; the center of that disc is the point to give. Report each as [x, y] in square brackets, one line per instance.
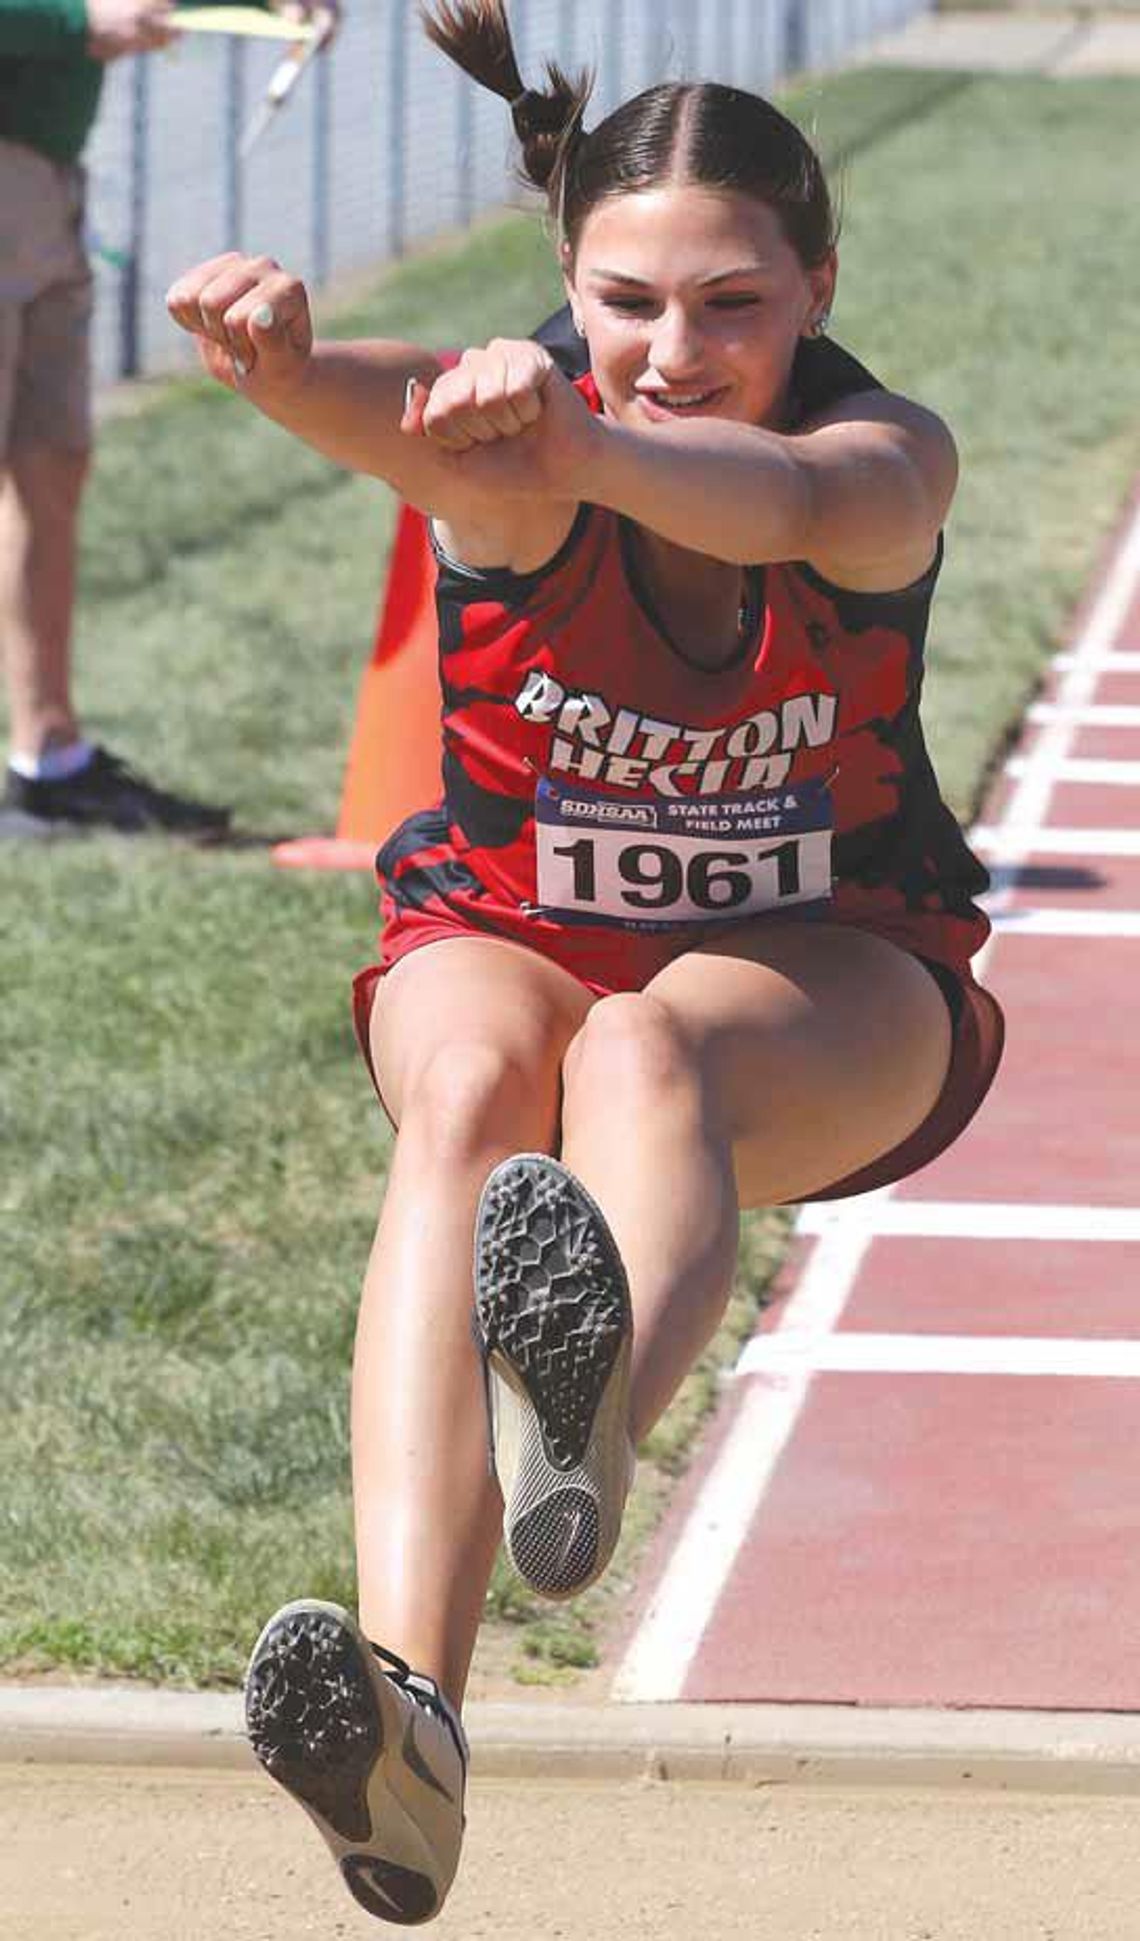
[562, 686]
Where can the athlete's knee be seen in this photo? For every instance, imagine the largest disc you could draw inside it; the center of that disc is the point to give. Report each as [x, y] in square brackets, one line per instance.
[465, 1099]
[630, 1045]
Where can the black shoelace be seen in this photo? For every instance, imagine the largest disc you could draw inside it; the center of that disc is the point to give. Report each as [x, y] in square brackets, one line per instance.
[424, 1692]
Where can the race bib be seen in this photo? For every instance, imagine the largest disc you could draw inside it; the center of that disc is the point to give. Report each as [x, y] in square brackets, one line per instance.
[605, 860]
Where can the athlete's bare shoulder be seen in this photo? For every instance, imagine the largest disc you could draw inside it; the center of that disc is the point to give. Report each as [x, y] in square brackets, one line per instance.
[886, 470]
[916, 421]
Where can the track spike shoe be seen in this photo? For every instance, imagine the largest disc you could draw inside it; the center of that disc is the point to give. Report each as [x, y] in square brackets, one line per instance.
[374, 1753]
[555, 1329]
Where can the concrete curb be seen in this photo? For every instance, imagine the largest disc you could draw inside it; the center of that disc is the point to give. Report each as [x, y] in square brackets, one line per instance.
[753, 1745]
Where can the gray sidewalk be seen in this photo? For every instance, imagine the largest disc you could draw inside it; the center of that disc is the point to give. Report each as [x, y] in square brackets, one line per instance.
[1063, 41]
[753, 1745]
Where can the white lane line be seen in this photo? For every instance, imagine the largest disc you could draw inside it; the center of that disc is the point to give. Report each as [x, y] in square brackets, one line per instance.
[657, 1661]
[1028, 805]
[1116, 775]
[979, 1220]
[940, 1354]
[1102, 714]
[658, 1658]
[1067, 923]
[1018, 844]
[1120, 663]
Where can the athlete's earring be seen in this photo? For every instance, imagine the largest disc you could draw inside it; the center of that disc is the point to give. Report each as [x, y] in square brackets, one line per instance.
[579, 326]
[819, 327]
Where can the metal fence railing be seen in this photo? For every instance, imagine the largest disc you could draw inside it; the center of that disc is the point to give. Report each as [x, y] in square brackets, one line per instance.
[384, 144]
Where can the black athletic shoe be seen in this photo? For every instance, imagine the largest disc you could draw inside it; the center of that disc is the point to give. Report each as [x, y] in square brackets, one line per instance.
[371, 1750]
[110, 795]
[553, 1322]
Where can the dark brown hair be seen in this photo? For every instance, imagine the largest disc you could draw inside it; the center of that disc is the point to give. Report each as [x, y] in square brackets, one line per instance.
[696, 132]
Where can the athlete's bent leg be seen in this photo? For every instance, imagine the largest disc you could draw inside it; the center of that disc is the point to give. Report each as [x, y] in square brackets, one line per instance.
[750, 1073]
[467, 1040]
[647, 1135]
[826, 1046]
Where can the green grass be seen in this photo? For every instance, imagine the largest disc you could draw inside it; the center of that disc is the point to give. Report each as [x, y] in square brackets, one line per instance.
[189, 1160]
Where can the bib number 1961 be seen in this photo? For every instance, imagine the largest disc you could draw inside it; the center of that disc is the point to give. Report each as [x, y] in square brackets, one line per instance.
[681, 862]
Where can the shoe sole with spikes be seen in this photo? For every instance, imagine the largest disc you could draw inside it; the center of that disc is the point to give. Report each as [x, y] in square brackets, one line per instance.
[380, 1777]
[553, 1322]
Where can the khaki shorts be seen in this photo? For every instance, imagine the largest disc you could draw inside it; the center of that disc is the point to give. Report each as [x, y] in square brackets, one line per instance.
[45, 304]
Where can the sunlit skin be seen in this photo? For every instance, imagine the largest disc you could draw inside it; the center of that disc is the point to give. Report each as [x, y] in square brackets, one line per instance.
[752, 1070]
[694, 302]
[686, 289]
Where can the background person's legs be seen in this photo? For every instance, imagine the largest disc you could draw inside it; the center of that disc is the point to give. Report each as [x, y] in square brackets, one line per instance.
[55, 778]
[39, 515]
[46, 296]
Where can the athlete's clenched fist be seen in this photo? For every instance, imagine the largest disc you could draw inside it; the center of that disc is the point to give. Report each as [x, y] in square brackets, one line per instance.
[490, 394]
[251, 321]
[507, 418]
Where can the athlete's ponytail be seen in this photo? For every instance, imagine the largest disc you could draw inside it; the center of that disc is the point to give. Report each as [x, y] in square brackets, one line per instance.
[677, 132]
[476, 35]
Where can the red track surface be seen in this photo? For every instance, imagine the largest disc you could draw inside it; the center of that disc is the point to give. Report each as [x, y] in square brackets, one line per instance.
[951, 1532]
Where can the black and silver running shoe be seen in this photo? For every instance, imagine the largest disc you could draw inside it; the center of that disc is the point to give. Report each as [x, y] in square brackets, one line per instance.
[554, 1325]
[373, 1752]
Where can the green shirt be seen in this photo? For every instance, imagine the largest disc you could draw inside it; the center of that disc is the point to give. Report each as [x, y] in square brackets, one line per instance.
[49, 85]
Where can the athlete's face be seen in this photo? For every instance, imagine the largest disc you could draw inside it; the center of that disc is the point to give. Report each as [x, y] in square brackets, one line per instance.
[693, 302]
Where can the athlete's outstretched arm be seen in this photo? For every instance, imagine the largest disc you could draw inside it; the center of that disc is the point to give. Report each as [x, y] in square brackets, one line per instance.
[860, 494]
[861, 497]
[384, 408]
[254, 333]
[494, 447]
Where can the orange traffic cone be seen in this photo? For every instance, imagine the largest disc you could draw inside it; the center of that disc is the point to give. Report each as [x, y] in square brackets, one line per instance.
[394, 761]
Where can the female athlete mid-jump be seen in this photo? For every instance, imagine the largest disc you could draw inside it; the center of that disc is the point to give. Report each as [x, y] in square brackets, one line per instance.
[690, 913]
